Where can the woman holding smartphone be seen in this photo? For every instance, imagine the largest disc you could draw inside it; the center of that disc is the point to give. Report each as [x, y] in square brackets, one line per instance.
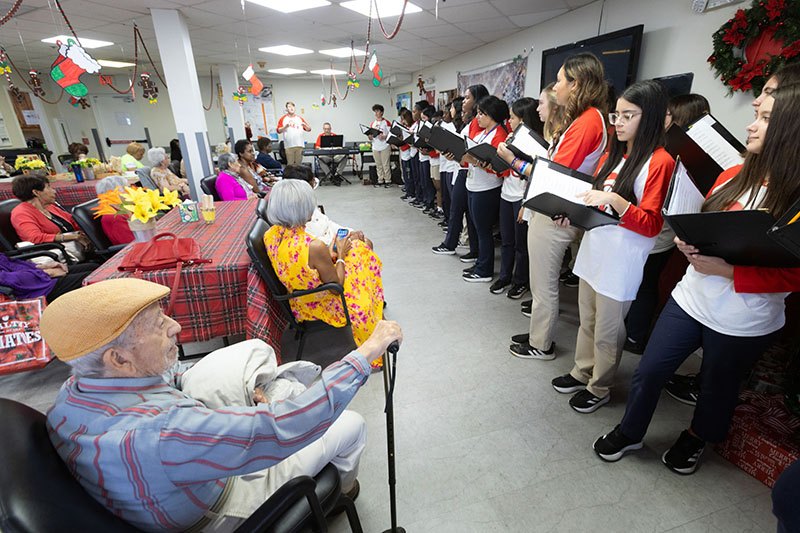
[733, 312]
[484, 185]
[631, 183]
[577, 143]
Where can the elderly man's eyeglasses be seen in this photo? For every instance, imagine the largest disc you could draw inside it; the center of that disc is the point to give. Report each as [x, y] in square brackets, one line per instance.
[622, 118]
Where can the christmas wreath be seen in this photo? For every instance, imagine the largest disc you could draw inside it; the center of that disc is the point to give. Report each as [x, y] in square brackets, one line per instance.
[755, 43]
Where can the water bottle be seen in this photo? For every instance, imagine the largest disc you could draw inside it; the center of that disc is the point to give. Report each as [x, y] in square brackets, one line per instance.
[77, 169]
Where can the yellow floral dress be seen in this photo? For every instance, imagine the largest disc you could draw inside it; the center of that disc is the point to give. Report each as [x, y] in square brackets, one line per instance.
[287, 249]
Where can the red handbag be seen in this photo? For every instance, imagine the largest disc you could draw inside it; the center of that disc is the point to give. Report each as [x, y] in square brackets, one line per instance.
[164, 251]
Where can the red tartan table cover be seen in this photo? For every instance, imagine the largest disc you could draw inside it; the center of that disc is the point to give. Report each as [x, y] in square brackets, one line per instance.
[68, 193]
[220, 298]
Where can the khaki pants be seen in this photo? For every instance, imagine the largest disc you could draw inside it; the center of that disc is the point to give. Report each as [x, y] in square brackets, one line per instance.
[294, 156]
[546, 246]
[382, 165]
[601, 337]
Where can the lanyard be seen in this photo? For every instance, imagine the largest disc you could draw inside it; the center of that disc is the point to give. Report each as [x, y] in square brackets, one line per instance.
[488, 133]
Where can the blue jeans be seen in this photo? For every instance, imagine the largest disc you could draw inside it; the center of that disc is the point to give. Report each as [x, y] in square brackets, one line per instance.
[484, 206]
[640, 315]
[446, 186]
[458, 208]
[514, 250]
[413, 175]
[726, 361]
[405, 166]
[428, 190]
[785, 495]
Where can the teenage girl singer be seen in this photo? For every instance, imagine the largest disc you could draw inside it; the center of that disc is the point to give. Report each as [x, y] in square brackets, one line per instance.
[631, 183]
[732, 312]
[578, 143]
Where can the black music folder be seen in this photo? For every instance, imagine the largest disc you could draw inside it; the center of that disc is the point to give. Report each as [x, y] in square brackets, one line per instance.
[552, 190]
[399, 135]
[526, 143]
[447, 141]
[716, 141]
[786, 230]
[424, 131]
[487, 153]
[366, 130]
[738, 237]
[702, 167]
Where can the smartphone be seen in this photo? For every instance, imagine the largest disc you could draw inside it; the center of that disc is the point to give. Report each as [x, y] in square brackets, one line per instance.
[341, 233]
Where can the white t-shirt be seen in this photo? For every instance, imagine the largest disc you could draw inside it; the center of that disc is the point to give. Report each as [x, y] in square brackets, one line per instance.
[293, 136]
[513, 188]
[714, 302]
[480, 180]
[413, 151]
[379, 145]
[444, 164]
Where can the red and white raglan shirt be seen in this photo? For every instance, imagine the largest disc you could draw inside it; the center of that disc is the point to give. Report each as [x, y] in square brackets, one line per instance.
[749, 305]
[611, 258]
[481, 179]
[383, 125]
[581, 145]
[293, 136]
[446, 165]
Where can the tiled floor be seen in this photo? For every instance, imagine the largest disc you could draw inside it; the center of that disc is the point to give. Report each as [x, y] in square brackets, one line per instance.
[483, 442]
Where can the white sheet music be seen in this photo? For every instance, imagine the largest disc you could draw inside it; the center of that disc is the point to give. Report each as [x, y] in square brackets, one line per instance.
[684, 196]
[713, 143]
[527, 144]
[545, 179]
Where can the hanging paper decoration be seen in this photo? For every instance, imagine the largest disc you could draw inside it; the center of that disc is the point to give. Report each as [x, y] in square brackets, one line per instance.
[377, 73]
[421, 85]
[240, 96]
[352, 81]
[72, 61]
[314, 106]
[79, 102]
[36, 83]
[149, 89]
[250, 75]
[5, 68]
[333, 100]
[322, 100]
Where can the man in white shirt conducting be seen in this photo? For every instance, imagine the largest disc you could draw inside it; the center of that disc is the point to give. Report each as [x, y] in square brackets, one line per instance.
[292, 127]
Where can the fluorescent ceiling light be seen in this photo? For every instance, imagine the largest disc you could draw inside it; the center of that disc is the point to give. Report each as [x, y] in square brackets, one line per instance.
[286, 71]
[287, 6]
[386, 8]
[329, 72]
[115, 64]
[286, 50]
[86, 43]
[342, 52]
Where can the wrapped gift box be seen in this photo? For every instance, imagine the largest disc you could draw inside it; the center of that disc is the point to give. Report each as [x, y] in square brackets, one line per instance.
[762, 441]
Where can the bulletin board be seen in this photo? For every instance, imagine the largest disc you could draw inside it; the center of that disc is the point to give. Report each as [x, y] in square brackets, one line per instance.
[259, 110]
[5, 140]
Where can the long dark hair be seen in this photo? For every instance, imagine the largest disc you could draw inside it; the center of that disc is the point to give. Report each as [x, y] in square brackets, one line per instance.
[525, 109]
[592, 89]
[776, 163]
[686, 108]
[478, 92]
[495, 108]
[652, 98]
[175, 150]
[457, 120]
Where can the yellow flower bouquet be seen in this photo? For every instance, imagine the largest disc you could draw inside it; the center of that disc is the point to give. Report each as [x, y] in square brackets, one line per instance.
[23, 163]
[138, 203]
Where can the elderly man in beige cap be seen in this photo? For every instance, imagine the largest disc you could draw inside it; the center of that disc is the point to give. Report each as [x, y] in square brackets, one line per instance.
[162, 459]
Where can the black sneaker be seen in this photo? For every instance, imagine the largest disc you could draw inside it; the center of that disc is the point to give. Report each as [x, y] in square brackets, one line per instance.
[442, 224]
[421, 206]
[586, 402]
[571, 280]
[523, 350]
[683, 456]
[443, 250]
[633, 346]
[526, 311]
[611, 446]
[517, 291]
[521, 338]
[499, 286]
[469, 270]
[387, 185]
[564, 275]
[472, 277]
[685, 389]
[415, 203]
[566, 384]
[405, 197]
[470, 257]
[526, 303]
[428, 210]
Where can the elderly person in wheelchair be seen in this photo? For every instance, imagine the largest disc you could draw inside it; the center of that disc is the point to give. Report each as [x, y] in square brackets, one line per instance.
[303, 262]
[168, 447]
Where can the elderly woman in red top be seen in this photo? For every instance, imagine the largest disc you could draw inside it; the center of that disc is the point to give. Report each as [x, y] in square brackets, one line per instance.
[114, 226]
[37, 219]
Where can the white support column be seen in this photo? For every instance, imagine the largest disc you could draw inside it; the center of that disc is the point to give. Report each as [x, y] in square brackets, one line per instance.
[230, 81]
[49, 139]
[180, 72]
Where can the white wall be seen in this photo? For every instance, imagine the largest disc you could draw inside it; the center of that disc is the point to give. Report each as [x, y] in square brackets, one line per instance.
[676, 40]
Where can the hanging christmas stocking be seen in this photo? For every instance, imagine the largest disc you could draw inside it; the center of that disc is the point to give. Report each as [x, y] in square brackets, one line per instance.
[377, 73]
[72, 61]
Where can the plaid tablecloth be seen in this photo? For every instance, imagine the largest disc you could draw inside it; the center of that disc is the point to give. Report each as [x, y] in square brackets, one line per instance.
[220, 298]
[68, 193]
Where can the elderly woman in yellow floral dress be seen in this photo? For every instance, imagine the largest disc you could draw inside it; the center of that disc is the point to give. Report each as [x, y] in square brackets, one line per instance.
[302, 262]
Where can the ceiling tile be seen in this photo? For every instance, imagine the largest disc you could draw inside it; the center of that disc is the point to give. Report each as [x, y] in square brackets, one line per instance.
[468, 13]
[518, 7]
[532, 19]
[486, 25]
[440, 30]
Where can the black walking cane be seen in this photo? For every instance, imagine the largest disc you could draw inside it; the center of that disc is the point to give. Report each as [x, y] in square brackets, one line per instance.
[389, 373]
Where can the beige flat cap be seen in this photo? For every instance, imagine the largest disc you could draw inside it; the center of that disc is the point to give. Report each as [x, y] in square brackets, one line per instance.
[85, 319]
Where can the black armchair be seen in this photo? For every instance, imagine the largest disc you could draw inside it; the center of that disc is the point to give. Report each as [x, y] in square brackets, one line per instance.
[261, 210]
[93, 228]
[209, 186]
[328, 343]
[40, 495]
[144, 178]
[9, 237]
